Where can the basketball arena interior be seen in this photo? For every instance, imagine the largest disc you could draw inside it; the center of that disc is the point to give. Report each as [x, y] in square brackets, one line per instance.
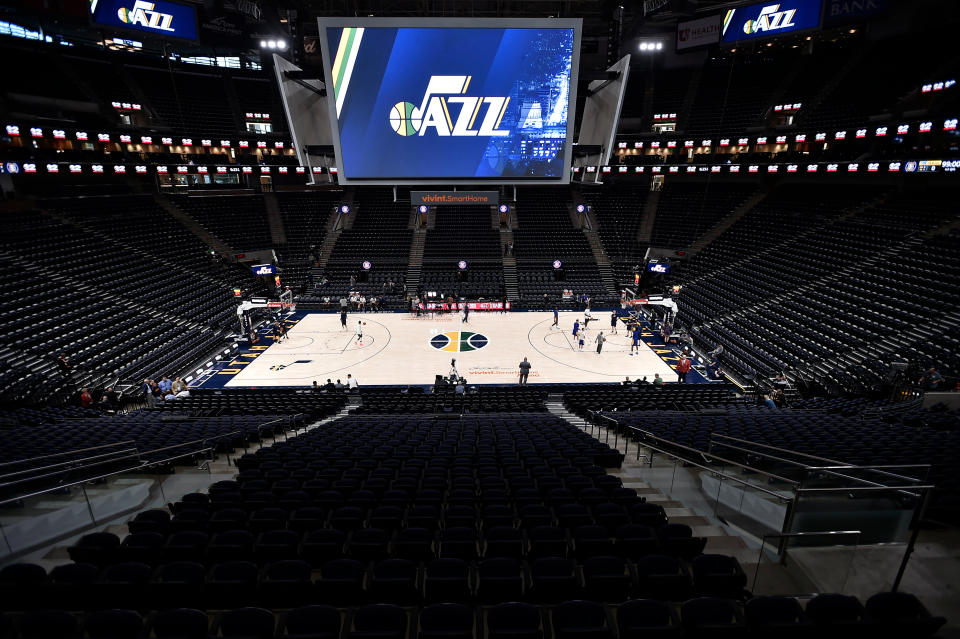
[479, 319]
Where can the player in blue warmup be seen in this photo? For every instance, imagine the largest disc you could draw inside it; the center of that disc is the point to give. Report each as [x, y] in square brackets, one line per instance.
[576, 327]
[636, 339]
[556, 318]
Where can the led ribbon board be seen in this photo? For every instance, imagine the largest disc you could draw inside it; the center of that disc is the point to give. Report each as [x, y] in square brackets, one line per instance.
[451, 101]
[164, 19]
[770, 19]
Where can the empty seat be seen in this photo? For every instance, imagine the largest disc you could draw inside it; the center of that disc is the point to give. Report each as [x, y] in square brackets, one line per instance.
[900, 614]
[180, 623]
[642, 618]
[247, 623]
[711, 618]
[447, 621]
[718, 576]
[514, 621]
[312, 622]
[113, 624]
[775, 616]
[580, 620]
[379, 621]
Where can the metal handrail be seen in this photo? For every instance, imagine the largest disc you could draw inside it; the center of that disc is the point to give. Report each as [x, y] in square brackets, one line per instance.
[711, 456]
[829, 469]
[78, 450]
[60, 473]
[848, 489]
[67, 463]
[723, 474]
[782, 450]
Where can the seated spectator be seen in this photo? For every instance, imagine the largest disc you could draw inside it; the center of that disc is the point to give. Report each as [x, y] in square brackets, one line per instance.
[178, 386]
[339, 385]
[86, 399]
[932, 379]
[657, 380]
[64, 364]
[329, 386]
[643, 382]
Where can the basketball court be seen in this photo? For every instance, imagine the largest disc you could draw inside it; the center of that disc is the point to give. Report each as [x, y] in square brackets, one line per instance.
[399, 348]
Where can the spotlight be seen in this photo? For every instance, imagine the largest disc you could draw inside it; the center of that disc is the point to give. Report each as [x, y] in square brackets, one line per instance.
[643, 46]
[504, 208]
[462, 265]
[422, 209]
[557, 264]
[659, 46]
[272, 44]
[581, 208]
[366, 265]
[281, 44]
[345, 209]
[263, 44]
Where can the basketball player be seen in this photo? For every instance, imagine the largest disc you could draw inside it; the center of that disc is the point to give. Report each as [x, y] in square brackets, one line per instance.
[576, 327]
[613, 322]
[556, 318]
[360, 331]
[636, 340]
[600, 340]
[343, 319]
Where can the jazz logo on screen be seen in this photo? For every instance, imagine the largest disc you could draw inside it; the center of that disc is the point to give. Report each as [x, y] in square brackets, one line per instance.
[770, 19]
[143, 14]
[438, 110]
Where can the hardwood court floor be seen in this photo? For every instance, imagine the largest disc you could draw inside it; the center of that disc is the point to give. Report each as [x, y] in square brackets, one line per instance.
[402, 349]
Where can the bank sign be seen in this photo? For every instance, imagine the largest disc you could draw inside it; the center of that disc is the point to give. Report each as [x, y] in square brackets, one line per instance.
[165, 19]
[770, 19]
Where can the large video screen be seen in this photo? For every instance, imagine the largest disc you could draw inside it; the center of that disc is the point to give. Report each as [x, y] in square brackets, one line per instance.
[159, 18]
[768, 19]
[451, 101]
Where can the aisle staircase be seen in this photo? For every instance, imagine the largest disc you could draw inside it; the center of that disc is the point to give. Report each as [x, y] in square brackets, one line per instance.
[721, 227]
[416, 260]
[603, 263]
[278, 233]
[511, 282]
[194, 227]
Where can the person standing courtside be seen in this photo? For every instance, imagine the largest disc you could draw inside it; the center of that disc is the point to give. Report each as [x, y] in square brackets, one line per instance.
[524, 371]
[613, 322]
[600, 340]
[683, 367]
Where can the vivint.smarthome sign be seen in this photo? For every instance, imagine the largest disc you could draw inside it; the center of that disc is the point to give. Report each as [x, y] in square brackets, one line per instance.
[451, 101]
[164, 19]
[770, 19]
[698, 33]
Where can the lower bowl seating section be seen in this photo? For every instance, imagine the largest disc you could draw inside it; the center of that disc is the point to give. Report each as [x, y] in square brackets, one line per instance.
[900, 438]
[305, 217]
[380, 235]
[402, 527]
[865, 274]
[893, 615]
[479, 400]
[463, 233]
[82, 289]
[634, 398]
[686, 211]
[239, 220]
[619, 211]
[545, 234]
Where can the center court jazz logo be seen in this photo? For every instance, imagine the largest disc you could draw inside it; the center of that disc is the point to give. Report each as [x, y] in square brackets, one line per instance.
[142, 14]
[449, 112]
[458, 341]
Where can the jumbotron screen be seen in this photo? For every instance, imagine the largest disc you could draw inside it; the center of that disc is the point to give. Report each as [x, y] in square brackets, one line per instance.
[451, 101]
